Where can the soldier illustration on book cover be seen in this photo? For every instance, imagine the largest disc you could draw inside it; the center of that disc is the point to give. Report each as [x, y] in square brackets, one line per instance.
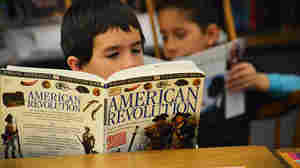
[159, 133]
[176, 133]
[88, 140]
[10, 138]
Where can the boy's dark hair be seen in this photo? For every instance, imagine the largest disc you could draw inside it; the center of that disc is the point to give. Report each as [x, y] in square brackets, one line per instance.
[86, 19]
[201, 12]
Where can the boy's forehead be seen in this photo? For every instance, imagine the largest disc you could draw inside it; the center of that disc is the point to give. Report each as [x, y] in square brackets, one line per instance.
[173, 18]
[116, 36]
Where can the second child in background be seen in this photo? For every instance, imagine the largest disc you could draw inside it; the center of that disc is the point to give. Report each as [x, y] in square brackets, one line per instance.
[192, 26]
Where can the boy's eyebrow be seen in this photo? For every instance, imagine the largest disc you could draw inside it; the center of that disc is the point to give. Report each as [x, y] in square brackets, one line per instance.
[112, 48]
[179, 29]
[116, 47]
[162, 31]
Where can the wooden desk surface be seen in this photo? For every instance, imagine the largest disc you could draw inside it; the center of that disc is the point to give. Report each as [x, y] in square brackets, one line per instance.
[288, 150]
[250, 157]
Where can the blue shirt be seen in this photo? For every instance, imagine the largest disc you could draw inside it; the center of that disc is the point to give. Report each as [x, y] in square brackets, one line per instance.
[282, 85]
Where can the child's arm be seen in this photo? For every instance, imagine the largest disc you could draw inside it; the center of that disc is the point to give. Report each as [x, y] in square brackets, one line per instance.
[282, 85]
[244, 76]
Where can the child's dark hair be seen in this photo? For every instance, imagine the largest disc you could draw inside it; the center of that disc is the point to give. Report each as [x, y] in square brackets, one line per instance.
[201, 12]
[86, 19]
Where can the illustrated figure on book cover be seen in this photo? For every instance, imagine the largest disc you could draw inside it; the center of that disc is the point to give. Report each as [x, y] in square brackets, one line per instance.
[159, 132]
[88, 141]
[174, 134]
[183, 131]
[9, 137]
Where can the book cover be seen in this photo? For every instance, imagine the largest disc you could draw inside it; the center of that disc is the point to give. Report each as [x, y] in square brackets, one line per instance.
[292, 158]
[48, 112]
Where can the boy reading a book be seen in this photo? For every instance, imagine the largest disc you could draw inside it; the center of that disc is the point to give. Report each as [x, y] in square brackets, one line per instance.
[101, 37]
[190, 26]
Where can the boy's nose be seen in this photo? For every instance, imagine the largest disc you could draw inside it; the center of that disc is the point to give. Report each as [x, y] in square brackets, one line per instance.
[132, 61]
[170, 48]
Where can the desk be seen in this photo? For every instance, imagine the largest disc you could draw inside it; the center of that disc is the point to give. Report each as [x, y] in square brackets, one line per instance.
[251, 157]
[288, 150]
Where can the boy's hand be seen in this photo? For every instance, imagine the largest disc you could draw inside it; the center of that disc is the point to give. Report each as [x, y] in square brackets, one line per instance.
[244, 76]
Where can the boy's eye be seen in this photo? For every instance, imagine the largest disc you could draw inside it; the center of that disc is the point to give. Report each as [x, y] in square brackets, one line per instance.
[136, 51]
[180, 35]
[164, 37]
[113, 55]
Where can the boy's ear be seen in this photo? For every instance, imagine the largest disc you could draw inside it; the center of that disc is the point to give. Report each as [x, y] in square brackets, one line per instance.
[74, 63]
[213, 33]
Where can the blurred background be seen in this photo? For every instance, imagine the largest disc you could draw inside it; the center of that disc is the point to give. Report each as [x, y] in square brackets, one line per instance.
[30, 36]
[29, 30]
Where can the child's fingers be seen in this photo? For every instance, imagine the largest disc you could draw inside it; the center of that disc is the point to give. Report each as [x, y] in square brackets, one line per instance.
[240, 88]
[239, 67]
[240, 74]
[241, 83]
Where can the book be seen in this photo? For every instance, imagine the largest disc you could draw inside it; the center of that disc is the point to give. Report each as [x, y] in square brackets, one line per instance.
[216, 62]
[292, 158]
[234, 102]
[51, 112]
